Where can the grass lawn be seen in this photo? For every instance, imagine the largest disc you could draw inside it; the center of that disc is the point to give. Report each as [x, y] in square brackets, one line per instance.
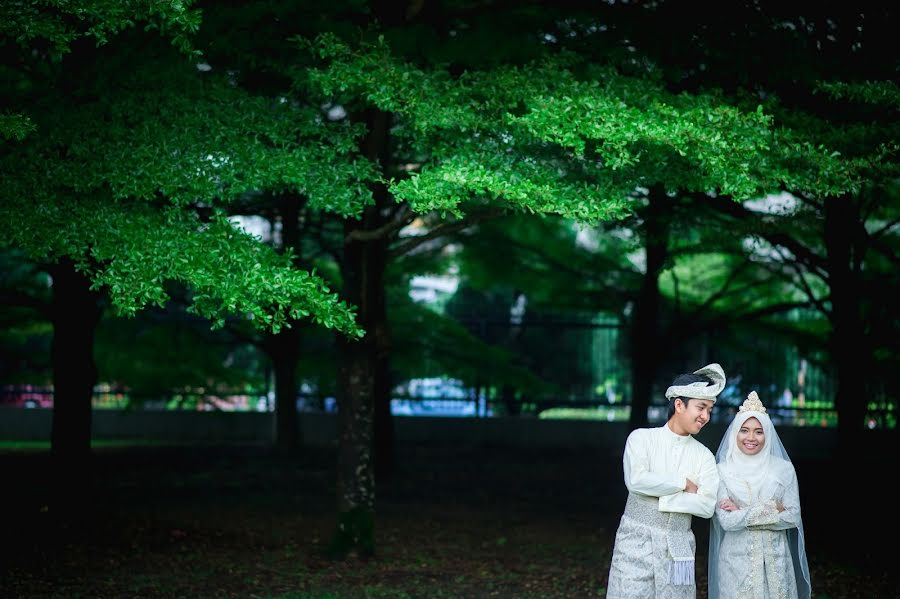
[152, 521]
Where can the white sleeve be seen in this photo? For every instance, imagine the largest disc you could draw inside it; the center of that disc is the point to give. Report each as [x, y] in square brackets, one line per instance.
[755, 516]
[791, 514]
[763, 515]
[638, 476]
[702, 503]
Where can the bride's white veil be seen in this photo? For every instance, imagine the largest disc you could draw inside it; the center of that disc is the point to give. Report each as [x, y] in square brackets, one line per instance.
[732, 464]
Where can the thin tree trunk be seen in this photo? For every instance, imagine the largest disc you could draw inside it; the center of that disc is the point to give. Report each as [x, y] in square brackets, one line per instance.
[283, 347]
[508, 396]
[384, 420]
[849, 348]
[284, 352]
[75, 314]
[645, 329]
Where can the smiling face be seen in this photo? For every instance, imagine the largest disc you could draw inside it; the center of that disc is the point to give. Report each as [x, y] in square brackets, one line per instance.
[690, 415]
[751, 437]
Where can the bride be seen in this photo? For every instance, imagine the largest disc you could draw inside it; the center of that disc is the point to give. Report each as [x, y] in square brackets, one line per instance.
[756, 544]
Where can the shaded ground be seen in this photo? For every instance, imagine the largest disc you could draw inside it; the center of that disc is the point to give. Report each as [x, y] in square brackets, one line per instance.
[467, 523]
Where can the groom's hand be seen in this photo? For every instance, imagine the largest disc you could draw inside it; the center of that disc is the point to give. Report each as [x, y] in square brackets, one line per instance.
[690, 487]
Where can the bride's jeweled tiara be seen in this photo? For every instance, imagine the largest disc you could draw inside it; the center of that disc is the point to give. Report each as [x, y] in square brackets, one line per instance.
[752, 404]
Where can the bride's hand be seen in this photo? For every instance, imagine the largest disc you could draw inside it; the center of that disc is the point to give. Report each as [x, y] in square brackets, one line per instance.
[728, 505]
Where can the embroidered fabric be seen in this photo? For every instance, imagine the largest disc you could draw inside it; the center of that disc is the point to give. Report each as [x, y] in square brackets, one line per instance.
[654, 554]
[713, 372]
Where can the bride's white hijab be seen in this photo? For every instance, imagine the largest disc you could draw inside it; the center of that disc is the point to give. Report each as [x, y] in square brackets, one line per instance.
[746, 474]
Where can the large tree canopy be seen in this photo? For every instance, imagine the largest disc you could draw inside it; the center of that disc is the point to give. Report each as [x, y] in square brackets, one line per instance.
[130, 182]
[561, 135]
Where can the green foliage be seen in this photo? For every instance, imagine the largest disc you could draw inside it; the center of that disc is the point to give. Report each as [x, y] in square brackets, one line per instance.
[118, 184]
[170, 132]
[59, 23]
[15, 126]
[428, 344]
[560, 265]
[879, 93]
[25, 332]
[600, 413]
[560, 136]
[127, 352]
[132, 249]
[46, 30]
[131, 147]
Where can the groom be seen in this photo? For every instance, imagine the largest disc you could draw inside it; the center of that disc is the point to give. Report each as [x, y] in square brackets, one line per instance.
[670, 476]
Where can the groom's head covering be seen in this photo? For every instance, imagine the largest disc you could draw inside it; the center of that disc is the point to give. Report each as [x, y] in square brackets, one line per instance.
[710, 384]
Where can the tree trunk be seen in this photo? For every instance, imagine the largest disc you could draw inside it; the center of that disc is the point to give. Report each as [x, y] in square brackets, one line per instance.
[363, 375]
[75, 313]
[510, 402]
[849, 348]
[284, 351]
[284, 347]
[645, 330]
[357, 384]
[356, 474]
[384, 420]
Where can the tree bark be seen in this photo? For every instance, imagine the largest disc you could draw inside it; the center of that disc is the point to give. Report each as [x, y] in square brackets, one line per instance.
[645, 329]
[848, 344]
[75, 311]
[363, 375]
[283, 347]
[385, 458]
[358, 381]
[284, 352]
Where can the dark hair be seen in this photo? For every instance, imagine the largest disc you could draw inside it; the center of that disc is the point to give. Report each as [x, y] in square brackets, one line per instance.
[687, 379]
[680, 381]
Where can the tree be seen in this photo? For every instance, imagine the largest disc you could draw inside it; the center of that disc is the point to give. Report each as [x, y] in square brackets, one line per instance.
[834, 88]
[122, 186]
[558, 134]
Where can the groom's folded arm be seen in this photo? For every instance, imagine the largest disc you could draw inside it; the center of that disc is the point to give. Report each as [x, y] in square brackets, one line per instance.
[640, 479]
[702, 503]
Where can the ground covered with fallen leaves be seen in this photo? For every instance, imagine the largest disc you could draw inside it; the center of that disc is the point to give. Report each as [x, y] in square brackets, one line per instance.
[236, 522]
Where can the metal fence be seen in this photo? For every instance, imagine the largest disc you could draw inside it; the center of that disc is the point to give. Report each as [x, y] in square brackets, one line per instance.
[447, 401]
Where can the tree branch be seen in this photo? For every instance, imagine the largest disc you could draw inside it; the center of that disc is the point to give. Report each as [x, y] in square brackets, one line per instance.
[879, 246]
[878, 233]
[677, 286]
[445, 229]
[681, 330]
[803, 253]
[803, 284]
[325, 248]
[724, 289]
[403, 217]
[232, 328]
[772, 309]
